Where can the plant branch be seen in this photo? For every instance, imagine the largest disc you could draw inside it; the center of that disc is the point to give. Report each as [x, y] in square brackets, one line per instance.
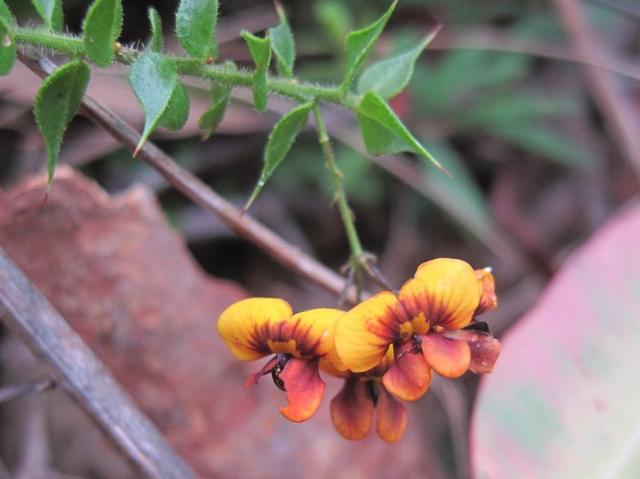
[75, 368]
[504, 42]
[346, 214]
[9, 393]
[287, 254]
[620, 119]
[289, 87]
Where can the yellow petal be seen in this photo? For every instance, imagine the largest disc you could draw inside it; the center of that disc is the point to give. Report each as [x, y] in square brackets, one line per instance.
[314, 333]
[445, 290]
[244, 326]
[364, 333]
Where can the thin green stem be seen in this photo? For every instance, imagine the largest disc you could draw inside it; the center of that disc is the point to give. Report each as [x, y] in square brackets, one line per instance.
[289, 87]
[346, 214]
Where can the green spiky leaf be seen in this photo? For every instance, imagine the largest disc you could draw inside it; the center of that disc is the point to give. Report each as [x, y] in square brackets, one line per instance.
[260, 50]
[196, 27]
[102, 27]
[177, 112]
[221, 93]
[153, 79]
[51, 12]
[283, 45]
[359, 45]
[7, 47]
[383, 132]
[56, 103]
[280, 141]
[5, 14]
[335, 18]
[390, 76]
[156, 42]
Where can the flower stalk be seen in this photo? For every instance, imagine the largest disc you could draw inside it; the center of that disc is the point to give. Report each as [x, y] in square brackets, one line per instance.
[357, 253]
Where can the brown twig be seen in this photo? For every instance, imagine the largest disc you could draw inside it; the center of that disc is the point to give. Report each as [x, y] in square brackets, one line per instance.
[75, 368]
[9, 393]
[245, 226]
[507, 43]
[619, 118]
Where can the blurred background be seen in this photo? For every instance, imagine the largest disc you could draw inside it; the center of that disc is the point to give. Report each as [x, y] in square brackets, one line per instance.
[532, 105]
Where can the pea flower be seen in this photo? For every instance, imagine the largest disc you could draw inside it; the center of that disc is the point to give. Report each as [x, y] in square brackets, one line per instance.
[429, 323]
[362, 396]
[300, 343]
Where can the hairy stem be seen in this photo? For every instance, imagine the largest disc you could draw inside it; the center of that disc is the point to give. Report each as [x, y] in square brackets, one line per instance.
[341, 198]
[289, 87]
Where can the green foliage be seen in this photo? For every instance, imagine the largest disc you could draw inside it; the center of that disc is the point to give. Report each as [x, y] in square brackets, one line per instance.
[196, 27]
[280, 141]
[500, 110]
[335, 19]
[102, 26]
[156, 42]
[363, 181]
[359, 44]
[51, 12]
[478, 90]
[463, 73]
[5, 14]
[154, 80]
[548, 143]
[7, 45]
[260, 50]
[177, 112]
[283, 45]
[383, 132]
[56, 104]
[221, 93]
[461, 197]
[390, 76]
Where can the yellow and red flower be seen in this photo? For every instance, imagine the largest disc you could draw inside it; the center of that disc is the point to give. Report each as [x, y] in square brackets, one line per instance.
[385, 348]
[362, 395]
[301, 344]
[429, 323]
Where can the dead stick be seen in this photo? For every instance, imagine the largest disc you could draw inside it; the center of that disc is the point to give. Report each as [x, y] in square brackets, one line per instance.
[620, 119]
[245, 226]
[17, 391]
[75, 368]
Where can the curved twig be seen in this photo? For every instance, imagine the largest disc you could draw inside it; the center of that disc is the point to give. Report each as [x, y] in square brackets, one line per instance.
[244, 225]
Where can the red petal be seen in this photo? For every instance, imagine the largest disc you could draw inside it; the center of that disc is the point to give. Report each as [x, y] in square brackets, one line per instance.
[485, 349]
[409, 376]
[391, 418]
[266, 369]
[352, 410]
[449, 357]
[304, 389]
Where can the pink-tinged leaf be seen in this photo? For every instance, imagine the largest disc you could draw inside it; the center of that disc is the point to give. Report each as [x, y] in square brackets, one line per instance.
[563, 400]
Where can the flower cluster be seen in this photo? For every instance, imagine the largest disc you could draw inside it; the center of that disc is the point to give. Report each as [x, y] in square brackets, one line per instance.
[385, 348]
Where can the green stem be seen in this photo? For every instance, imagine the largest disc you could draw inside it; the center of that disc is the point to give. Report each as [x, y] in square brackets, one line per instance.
[289, 87]
[338, 186]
